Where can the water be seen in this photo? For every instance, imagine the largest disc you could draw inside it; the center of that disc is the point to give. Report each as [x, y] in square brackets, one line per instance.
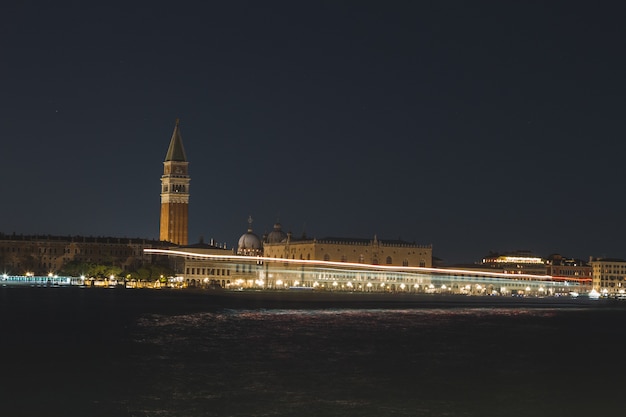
[110, 353]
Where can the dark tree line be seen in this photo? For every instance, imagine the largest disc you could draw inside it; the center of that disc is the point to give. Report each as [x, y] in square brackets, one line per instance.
[151, 272]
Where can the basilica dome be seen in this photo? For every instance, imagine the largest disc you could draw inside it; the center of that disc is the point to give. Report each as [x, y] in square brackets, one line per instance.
[276, 235]
[249, 243]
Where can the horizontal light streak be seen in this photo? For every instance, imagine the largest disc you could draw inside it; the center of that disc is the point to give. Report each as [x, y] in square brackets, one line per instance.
[345, 266]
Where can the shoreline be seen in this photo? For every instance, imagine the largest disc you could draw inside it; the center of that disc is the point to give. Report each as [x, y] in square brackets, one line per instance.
[171, 300]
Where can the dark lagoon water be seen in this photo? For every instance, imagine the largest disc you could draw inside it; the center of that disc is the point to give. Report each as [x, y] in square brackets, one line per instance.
[99, 352]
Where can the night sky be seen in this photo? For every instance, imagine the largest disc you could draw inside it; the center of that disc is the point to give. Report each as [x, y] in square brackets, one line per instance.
[472, 126]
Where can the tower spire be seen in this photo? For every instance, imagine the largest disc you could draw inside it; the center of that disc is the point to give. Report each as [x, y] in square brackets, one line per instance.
[176, 151]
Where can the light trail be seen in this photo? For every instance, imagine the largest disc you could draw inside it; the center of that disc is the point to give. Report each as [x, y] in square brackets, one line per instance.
[358, 267]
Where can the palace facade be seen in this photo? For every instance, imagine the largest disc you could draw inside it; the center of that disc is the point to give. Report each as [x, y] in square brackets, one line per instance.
[352, 250]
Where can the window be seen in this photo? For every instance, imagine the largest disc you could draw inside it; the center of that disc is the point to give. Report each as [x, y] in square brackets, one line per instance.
[388, 260]
[327, 257]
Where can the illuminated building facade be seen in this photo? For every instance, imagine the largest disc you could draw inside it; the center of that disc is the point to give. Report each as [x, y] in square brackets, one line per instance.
[196, 271]
[311, 275]
[364, 251]
[609, 275]
[193, 268]
[175, 192]
[518, 262]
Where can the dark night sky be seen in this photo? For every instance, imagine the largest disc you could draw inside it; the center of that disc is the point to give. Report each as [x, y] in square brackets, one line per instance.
[474, 126]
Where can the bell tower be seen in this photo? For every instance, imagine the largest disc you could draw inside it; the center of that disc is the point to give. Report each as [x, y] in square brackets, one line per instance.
[175, 192]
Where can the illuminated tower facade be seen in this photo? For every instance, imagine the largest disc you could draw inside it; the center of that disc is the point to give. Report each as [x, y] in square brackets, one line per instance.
[175, 192]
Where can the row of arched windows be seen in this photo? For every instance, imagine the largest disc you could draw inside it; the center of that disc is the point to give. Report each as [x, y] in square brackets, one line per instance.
[176, 188]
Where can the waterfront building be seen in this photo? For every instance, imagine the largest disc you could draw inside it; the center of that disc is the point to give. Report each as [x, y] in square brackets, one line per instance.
[42, 255]
[175, 192]
[517, 262]
[353, 250]
[318, 275]
[341, 250]
[196, 271]
[565, 268]
[609, 275]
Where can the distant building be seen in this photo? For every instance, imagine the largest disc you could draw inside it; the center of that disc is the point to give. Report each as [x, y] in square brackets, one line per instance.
[609, 275]
[568, 268]
[517, 262]
[175, 192]
[46, 254]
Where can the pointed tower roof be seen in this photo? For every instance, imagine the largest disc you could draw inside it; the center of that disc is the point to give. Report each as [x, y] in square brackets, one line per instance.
[176, 152]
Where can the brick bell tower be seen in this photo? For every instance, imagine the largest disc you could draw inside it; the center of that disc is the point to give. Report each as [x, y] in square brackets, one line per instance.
[175, 192]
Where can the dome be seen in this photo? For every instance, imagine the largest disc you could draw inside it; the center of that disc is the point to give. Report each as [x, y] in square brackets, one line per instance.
[249, 243]
[277, 235]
